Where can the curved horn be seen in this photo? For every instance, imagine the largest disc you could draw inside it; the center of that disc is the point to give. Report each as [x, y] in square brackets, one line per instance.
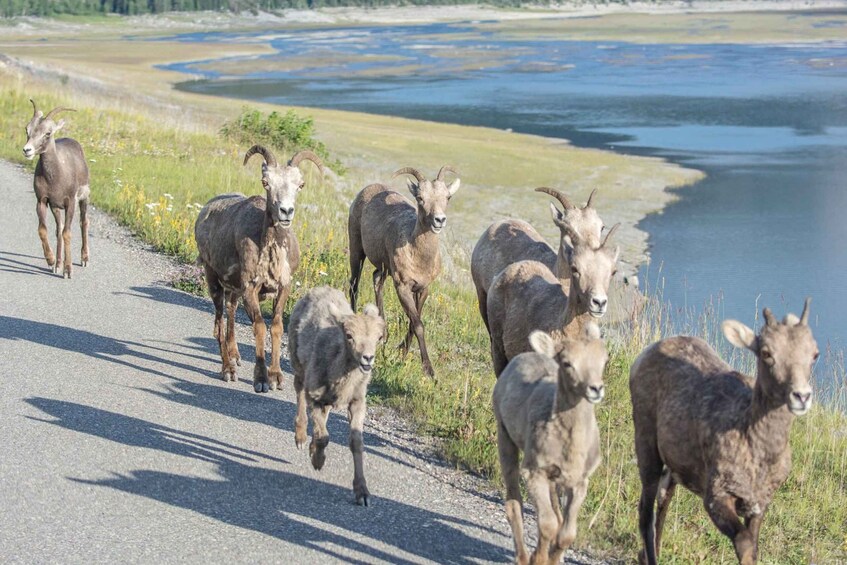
[610, 233]
[446, 169]
[34, 109]
[563, 200]
[769, 318]
[265, 153]
[410, 171]
[308, 156]
[804, 317]
[590, 199]
[56, 111]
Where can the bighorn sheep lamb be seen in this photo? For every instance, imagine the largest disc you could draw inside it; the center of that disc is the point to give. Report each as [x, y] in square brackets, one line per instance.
[332, 353]
[61, 181]
[510, 241]
[401, 239]
[721, 434]
[248, 249]
[527, 296]
[543, 403]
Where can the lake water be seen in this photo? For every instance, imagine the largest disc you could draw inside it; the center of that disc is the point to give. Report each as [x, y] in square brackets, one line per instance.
[767, 123]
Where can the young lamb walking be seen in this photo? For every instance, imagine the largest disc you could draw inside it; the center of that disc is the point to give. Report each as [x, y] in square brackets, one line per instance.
[332, 353]
[401, 240]
[544, 406]
[721, 434]
[61, 181]
[248, 249]
[509, 241]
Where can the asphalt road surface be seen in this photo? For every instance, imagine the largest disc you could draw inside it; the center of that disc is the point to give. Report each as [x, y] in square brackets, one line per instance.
[119, 443]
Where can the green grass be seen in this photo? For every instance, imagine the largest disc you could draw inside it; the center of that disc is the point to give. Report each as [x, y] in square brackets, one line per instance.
[151, 175]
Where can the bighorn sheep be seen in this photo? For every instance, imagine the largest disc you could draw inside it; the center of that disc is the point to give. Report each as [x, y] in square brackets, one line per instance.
[401, 239]
[721, 434]
[543, 403]
[332, 353]
[248, 249]
[527, 296]
[510, 241]
[61, 181]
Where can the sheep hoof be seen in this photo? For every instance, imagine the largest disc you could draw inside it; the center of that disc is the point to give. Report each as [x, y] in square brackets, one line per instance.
[318, 459]
[67, 273]
[259, 386]
[228, 374]
[275, 378]
[299, 438]
[260, 378]
[362, 493]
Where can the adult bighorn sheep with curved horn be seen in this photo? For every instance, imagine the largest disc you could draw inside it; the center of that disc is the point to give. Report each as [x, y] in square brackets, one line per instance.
[509, 241]
[401, 239]
[61, 181]
[248, 249]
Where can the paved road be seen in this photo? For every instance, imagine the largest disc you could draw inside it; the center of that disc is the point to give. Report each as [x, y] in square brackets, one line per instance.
[120, 444]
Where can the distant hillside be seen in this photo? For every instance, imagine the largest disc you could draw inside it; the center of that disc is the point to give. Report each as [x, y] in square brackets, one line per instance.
[12, 8]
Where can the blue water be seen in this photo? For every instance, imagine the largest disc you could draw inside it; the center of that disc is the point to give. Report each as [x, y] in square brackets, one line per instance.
[767, 123]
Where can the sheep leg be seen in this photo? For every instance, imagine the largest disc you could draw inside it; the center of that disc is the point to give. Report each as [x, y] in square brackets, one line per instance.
[275, 374]
[482, 298]
[753, 524]
[722, 512]
[567, 530]
[509, 455]
[83, 226]
[667, 486]
[420, 298]
[57, 215]
[379, 281]
[320, 436]
[357, 410]
[650, 467]
[300, 421]
[41, 210]
[409, 304]
[231, 344]
[70, 210]
[216, 291]
[548, 524]
[498, 357]
[254, 311]
[357, 262]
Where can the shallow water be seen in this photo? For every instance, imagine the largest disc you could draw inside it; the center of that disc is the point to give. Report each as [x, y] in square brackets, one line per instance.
[768, 124]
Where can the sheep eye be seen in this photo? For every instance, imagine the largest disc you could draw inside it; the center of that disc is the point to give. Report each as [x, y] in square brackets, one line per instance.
[815, 358]
[575, 274]
[350, 337]
[767, 357]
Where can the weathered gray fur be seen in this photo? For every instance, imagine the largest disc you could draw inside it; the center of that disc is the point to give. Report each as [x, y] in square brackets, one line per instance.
[248, 249]
[61, 181]
[719, 433]
[401, 240]
[543, 403]
[509, 241]
[332, 353]
[527, 296]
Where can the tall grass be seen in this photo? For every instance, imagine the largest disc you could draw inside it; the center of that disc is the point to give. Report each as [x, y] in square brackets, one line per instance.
[152, 177]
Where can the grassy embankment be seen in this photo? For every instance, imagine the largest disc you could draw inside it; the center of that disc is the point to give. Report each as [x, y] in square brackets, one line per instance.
[151, 174]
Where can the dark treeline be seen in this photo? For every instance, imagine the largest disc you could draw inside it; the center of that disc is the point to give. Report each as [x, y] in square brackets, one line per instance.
[11, 8]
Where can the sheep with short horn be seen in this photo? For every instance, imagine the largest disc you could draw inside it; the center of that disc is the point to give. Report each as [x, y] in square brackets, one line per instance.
[61, 182]
[527, 296]
[401, 240]
[721, 434]
[509, 241]
[248, 250]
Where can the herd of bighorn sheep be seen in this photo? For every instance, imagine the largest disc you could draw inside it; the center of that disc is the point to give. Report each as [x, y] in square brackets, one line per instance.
[721, 434]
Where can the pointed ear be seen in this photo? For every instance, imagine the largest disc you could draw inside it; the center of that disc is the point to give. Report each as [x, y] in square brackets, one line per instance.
[413, 187]
[454, 186]
[739, 335]
[335, 312]
[542, 343]
[59, 125]
[557, 214]
[591, 331]
[371, 310]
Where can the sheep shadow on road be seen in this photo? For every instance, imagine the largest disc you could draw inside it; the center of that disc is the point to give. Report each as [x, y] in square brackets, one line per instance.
[297, 509]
